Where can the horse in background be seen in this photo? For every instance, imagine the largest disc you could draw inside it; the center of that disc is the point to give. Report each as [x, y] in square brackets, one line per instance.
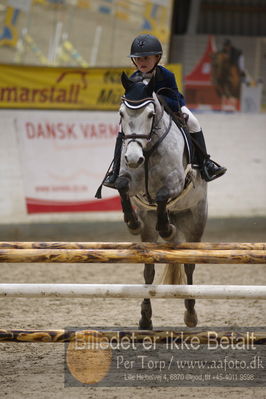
[226, 75]
[161, 195]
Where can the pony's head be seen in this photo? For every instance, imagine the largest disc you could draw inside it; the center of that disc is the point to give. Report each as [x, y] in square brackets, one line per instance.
[138, 117]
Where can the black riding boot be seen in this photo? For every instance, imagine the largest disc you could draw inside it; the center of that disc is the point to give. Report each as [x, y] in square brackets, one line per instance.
[113, 175]
[209, 169]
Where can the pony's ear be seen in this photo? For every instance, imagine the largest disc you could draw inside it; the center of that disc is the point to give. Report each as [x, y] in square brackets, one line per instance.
[126, 82]
[150, 86]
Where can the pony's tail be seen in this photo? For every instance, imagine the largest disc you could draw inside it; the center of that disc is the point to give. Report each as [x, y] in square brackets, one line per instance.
[174, 274]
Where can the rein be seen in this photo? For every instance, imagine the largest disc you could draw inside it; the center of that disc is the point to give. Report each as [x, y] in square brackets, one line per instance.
[148, 153]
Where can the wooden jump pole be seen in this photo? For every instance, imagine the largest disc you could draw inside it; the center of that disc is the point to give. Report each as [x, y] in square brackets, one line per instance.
[133, 245]
[113, 336]
[132, 256]
[133, 291]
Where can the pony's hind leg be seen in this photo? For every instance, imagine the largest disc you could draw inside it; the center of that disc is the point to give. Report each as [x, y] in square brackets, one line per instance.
[190, 316]
[192, 225]
[145, 322]
[148, 234]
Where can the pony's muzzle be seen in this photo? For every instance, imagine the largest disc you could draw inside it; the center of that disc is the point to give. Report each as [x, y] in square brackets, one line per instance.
[134, 164]
[134, 154]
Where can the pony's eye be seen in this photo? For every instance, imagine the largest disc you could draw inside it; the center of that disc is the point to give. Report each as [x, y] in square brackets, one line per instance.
[150, 114]
[121, 114]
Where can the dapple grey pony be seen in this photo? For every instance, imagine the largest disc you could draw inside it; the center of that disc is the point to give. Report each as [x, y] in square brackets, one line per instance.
[161, 195]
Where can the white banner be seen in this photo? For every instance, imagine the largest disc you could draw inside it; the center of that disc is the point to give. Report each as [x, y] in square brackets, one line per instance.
[64, 157]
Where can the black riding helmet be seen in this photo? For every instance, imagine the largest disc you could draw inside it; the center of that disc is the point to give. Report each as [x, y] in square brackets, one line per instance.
[145, 45]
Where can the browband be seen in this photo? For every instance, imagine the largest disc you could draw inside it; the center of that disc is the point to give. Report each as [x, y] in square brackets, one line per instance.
[135, 104]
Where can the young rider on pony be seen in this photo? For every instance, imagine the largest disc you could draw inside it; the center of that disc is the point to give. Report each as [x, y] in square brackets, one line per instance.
[146, 52]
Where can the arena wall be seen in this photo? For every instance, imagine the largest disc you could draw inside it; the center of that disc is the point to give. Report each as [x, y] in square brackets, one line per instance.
[235, 140]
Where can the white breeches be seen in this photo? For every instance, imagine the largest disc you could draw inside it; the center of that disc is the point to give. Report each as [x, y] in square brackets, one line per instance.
[192, 122]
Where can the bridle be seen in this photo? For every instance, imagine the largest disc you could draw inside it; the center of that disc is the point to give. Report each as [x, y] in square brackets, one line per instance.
[137, 104]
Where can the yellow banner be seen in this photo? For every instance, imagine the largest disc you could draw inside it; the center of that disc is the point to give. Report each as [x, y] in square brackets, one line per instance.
[64, 88]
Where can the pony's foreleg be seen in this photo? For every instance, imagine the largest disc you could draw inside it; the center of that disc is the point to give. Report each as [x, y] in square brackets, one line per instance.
[190, 316]
[145, 322]
[166, 230]
[130, 216]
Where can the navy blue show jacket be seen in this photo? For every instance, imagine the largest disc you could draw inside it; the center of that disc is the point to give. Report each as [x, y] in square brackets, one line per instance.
[166, 79]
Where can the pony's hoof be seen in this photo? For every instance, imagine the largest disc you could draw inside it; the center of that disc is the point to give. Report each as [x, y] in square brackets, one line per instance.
[191, 318]
[172, 235]
[144, 325]
[137, 230]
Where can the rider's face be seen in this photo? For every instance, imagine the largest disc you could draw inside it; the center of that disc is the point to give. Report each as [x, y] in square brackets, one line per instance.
[146, 64]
